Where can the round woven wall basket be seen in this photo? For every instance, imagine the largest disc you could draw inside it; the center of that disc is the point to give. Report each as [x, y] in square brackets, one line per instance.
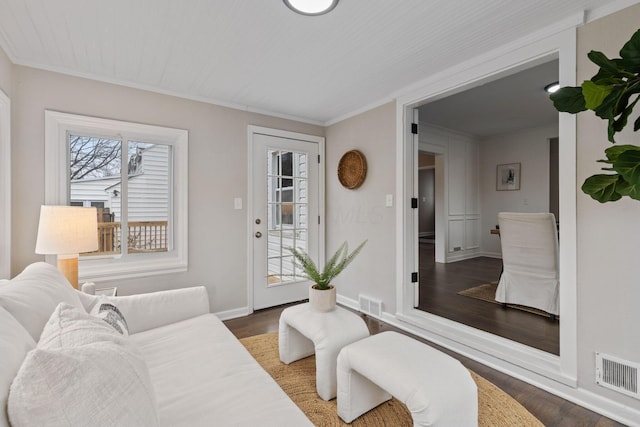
[352, 169]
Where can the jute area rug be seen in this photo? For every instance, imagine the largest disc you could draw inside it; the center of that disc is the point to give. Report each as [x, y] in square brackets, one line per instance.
[298, 380]
[487, 292]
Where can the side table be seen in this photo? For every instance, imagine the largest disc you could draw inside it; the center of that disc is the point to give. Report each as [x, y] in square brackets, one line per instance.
[303, 332]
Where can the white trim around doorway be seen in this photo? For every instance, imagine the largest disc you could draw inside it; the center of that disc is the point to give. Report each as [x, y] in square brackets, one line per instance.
[524, 362]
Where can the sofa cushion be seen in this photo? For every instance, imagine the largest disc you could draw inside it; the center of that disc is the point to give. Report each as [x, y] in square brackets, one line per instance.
[110, 313]
[72, 327]
[97, 384]
[32, 296]
[15, 343]
[200, 370]
[82, 373]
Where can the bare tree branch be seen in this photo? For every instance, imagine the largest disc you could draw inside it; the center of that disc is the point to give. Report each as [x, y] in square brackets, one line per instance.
[91, 157]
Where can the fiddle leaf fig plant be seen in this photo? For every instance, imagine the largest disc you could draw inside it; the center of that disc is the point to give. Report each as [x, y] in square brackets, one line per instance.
[611, 94]
[334, 266]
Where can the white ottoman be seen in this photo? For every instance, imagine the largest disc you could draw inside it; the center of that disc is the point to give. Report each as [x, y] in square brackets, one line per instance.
[436, 388]
[304, 331]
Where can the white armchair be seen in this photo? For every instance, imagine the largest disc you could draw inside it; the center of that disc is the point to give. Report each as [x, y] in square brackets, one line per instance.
[530, 260]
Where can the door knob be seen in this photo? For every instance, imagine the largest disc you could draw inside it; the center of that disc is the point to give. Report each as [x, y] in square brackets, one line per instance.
[258, 221]
[258, 234]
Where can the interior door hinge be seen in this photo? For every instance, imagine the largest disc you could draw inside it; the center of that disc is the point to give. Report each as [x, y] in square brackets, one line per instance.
[318, 219]
[414, 128]
[318, 158]
[414, 277]
[414, 203]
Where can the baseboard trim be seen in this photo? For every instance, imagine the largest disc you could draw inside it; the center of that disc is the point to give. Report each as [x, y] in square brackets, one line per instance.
[585, 398]
[491, 254]
[233, 314]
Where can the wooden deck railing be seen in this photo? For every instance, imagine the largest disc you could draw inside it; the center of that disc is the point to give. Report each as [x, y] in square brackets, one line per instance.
[144, 236]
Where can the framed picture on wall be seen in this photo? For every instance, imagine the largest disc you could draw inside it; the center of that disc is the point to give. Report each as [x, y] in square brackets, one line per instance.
[508, 177]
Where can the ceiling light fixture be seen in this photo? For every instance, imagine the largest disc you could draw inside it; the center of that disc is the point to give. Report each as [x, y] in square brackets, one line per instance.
[552, 87]
[311, 7]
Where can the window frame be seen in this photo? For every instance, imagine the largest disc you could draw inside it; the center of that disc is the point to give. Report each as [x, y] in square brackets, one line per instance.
[57, 126]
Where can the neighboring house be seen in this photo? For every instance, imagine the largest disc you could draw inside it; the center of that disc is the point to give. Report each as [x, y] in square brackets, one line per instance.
[148, 191]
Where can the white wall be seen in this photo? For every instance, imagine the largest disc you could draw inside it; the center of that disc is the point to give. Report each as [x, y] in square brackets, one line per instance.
[217, 173]
[355, 215]
[530, 148]
[461, 192]
[608, 234]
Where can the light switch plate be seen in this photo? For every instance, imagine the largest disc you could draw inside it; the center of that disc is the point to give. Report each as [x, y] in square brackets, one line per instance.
[237, 203]
[389, 200]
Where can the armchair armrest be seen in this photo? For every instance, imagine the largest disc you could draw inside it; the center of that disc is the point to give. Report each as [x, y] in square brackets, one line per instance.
[147, 311]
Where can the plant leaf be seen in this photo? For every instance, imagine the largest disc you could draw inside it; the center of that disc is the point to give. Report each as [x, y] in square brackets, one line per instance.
[630, 53]
[601, 60]
[602, 188]
[636, 125]
[334, 266]
[614, 151]
[607, 108]
[594, 94]
[628, 165]
[627, 189]
[568, 100]
[621, 121]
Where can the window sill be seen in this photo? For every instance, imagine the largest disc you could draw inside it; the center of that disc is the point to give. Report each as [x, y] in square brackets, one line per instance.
[108, 270]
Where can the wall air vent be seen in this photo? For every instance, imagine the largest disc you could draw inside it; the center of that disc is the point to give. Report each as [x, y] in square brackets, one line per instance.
[370, 306]
[617, 374]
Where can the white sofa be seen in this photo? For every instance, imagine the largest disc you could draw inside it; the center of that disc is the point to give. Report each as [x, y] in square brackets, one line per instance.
[181, 365]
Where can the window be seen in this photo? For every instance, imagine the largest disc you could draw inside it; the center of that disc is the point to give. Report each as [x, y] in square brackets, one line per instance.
[288, 211]
[136, 177]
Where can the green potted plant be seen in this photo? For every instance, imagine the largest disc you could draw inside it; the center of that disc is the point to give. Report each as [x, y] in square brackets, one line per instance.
[611, 94]
[322, 294]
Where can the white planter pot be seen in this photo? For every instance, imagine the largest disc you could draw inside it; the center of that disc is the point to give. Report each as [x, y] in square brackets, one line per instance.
[322, 300]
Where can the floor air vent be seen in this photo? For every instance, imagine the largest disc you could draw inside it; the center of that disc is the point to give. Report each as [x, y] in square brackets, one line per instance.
[370, 306]
[617, 374]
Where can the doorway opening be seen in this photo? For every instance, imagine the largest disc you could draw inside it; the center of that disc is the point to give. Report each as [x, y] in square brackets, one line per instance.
[461, 285]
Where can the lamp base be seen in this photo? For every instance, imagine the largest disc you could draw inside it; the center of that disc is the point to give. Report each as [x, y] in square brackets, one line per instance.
[68, 265]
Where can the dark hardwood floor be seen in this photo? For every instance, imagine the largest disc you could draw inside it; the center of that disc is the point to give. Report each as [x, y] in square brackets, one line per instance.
[551, 410]
[439, 284]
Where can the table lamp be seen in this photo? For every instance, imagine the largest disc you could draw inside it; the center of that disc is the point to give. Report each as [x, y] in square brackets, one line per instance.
[66, 231]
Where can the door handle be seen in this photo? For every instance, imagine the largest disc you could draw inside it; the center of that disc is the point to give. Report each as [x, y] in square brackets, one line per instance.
[258, 234]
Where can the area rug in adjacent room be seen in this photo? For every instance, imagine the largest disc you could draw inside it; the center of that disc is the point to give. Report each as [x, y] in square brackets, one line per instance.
[487, 292]
[298, 380]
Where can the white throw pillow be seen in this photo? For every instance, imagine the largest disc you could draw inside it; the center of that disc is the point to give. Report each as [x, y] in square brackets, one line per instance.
[108, 312]
[82, 373]
[72, 327]
[15, 343]
[99, 384]
[32, 296]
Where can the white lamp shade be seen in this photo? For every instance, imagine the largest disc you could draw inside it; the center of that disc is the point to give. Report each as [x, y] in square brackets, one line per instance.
[67, 230]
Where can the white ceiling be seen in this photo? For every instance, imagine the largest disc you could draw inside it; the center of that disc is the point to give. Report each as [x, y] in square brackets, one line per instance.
[502, 106]
[259, 55]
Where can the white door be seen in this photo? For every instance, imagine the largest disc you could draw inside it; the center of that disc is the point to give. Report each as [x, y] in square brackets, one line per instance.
[286, 199]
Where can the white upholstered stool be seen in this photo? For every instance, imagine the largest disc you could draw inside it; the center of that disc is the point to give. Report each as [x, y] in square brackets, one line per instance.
[304, 331]
[436, 388]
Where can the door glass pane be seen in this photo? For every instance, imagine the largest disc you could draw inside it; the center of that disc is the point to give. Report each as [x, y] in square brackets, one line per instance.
[287, 184]
[94, 180]
[149, 195]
